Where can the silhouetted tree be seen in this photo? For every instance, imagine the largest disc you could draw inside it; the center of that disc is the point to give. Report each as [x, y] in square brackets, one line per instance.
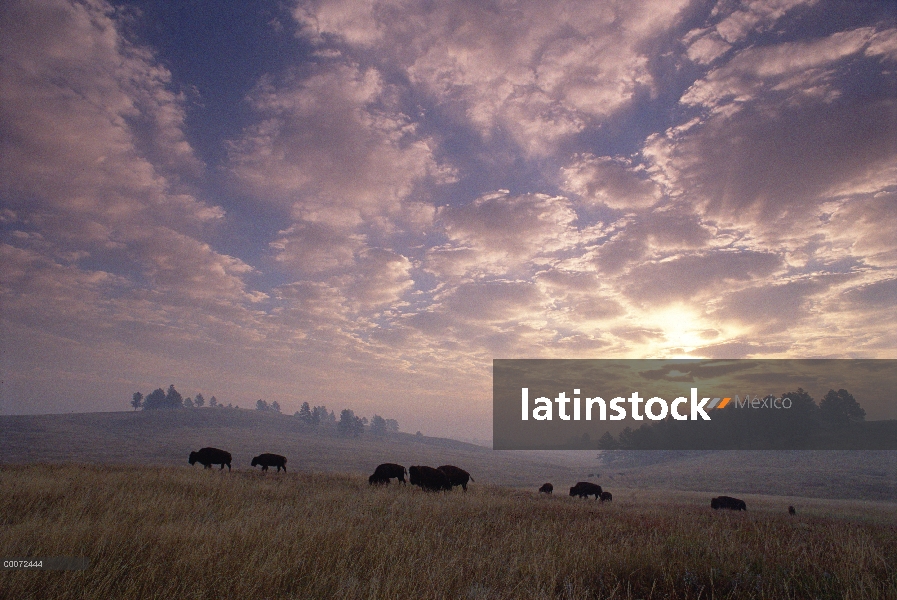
[137, 400]
[261, 405]
[199, 401]
[840, 408]
[306, 416]
[349, 424]
[155, 400]
[322, 416]
[378, 425]
[173, 398]
[608, 442]
[213, 402]
[275, 407]
[188, 402]
[392, 425]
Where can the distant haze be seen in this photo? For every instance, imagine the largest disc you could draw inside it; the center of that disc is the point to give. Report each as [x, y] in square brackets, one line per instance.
[361, 204]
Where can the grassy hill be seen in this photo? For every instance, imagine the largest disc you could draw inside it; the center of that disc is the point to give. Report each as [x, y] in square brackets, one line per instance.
[165, 438]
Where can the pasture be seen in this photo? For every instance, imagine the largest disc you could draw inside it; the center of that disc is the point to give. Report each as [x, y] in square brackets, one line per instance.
[181, 532]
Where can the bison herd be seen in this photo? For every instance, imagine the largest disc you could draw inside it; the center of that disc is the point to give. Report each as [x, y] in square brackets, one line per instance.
[431, 479]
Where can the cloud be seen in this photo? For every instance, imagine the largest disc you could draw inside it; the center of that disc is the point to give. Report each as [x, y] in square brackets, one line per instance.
[519, 227]
[539, 75]
[784, 71]
[309, 248]
[616, 183]
[331, 149]
[697, 276]
[104, 228]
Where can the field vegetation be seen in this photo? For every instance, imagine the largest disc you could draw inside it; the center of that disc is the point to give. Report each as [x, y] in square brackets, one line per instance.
[181, 532]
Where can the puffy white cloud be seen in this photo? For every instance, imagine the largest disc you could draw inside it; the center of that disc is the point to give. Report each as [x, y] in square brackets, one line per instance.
[539, 74]
[94, 165]
[616, 183]
[331, 149]
[791, 70]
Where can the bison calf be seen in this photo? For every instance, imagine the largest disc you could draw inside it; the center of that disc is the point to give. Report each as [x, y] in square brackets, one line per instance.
[210, 456]
[584, 489]
[383, 473]
[606, 496]
[546, 488]
[270, 460]
[728, 503]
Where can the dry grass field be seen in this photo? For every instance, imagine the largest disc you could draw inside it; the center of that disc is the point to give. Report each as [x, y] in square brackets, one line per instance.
[181, 532]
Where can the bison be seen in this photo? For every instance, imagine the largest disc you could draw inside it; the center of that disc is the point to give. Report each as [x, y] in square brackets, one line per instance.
[584, 489]
[546, 488]
[791, 511]
[210, 456]
[383, 473]
[727, 502]
[429, 479]
[456, 475]
[606, 497]
[270, 460]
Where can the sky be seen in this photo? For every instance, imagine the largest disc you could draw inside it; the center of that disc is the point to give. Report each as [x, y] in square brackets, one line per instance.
[361, 204]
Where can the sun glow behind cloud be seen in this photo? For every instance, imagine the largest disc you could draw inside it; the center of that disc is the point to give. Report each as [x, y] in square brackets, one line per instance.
[410, 190]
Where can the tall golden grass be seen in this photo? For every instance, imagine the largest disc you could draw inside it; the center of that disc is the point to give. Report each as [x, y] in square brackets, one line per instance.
[177, 532]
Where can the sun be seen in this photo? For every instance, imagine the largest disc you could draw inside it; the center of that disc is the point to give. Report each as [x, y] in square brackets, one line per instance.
[684, 330]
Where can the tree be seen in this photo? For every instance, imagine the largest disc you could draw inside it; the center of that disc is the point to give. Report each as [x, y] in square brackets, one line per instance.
[261, 405]
[392, 425]
[137, 400]
[199, 401]
[188, 402]
[840, 408]
[173, 398]
[349, 424]
[306, 416]
[608, 442]
[213, 402]
[322, 416]
[275, 407]
[378, 425]
[155, 400]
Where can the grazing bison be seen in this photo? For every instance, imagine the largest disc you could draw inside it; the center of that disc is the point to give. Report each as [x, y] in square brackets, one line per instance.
[791, 511]
[210, 456]
[429, 479]
[383, 473]
[727, 502]
[270, 460]
[584, 489]
[456, 475]
[606, 497]
[546, 488]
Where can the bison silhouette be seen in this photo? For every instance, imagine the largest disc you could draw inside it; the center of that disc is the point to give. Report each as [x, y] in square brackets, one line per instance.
[584, 489]
[791, 511]
[728, 503]
[546, 488]
[428, 478]
[270, 460]
[606, 497]
[383, 473]
[456, 475]
[210, 456]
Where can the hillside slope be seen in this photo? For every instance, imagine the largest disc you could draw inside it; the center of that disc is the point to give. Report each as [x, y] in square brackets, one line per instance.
[168, 437]
[165, 438]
